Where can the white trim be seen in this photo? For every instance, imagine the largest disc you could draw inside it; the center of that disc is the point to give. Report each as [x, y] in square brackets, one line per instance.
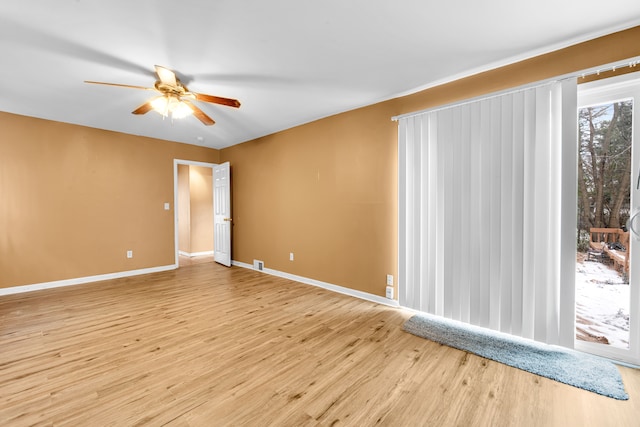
[604, 351]
[612, 89]
[328, 286]
[194, 163]
[609, 90]
[82, 280]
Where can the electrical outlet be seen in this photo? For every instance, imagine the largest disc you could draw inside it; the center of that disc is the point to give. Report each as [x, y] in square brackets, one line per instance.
[390, 279]
[258, 265]
[167, 206]
[389, 292]
[290, 256]
[129, 254]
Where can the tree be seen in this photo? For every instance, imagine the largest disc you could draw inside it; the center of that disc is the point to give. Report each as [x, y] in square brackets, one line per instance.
[604, 165]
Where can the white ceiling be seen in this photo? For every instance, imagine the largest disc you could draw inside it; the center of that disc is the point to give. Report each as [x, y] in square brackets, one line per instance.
[288, 61]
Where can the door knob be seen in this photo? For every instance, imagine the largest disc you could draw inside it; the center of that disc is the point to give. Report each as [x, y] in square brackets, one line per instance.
[228, 219]
[630, 225]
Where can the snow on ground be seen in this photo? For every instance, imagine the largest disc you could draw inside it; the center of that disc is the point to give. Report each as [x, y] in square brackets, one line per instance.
[602, 304]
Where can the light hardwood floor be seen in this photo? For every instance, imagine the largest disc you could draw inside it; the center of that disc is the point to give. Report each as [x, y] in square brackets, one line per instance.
[206, 346]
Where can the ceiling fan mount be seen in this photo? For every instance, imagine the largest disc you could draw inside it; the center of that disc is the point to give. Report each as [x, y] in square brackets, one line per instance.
[167, 89]
[175, 98]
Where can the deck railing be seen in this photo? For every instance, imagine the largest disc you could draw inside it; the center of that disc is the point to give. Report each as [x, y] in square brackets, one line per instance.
[614, 242]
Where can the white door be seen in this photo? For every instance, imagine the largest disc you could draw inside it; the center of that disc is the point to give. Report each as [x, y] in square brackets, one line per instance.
[634, 235]
[222, 213]
[626, 89]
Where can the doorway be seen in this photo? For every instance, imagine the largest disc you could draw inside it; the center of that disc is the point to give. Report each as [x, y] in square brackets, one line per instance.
[194, 212]
[607, 266]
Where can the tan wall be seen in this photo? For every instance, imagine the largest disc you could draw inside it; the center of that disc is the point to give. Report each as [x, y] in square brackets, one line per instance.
[201, 209]
[184, 209]
[327, 190]
[73, 200]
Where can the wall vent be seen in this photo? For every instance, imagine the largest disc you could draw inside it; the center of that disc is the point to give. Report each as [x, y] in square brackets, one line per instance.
[258, 265]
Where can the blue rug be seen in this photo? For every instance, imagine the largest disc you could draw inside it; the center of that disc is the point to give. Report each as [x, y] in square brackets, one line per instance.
[557, 363]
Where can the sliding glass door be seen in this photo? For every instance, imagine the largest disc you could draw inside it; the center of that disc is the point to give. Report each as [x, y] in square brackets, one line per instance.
[608, 246]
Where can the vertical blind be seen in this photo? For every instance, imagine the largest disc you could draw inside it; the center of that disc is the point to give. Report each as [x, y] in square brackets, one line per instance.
[487, 212]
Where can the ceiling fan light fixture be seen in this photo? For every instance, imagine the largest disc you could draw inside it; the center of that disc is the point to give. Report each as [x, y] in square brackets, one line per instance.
[168, 105]
[181, 110]
[160, 105]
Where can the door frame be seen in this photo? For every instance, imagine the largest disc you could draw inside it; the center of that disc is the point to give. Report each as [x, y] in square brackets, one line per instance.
[611, 90]
[177, 162]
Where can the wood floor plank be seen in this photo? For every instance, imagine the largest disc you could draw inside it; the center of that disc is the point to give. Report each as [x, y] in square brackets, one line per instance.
[206, 345]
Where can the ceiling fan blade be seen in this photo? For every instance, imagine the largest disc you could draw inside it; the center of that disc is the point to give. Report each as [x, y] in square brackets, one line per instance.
[217, 100]
[166, 76]
[143, 109]
[119, 85]
[200, 115]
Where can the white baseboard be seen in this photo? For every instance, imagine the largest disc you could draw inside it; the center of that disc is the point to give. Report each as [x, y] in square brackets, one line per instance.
[81, 280]
[328, 286]
[192, 254]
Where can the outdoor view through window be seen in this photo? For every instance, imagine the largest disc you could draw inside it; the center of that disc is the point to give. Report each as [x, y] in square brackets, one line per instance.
[602, 269]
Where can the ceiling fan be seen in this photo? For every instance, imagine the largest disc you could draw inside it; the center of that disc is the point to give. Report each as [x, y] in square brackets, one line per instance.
[175, 99]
